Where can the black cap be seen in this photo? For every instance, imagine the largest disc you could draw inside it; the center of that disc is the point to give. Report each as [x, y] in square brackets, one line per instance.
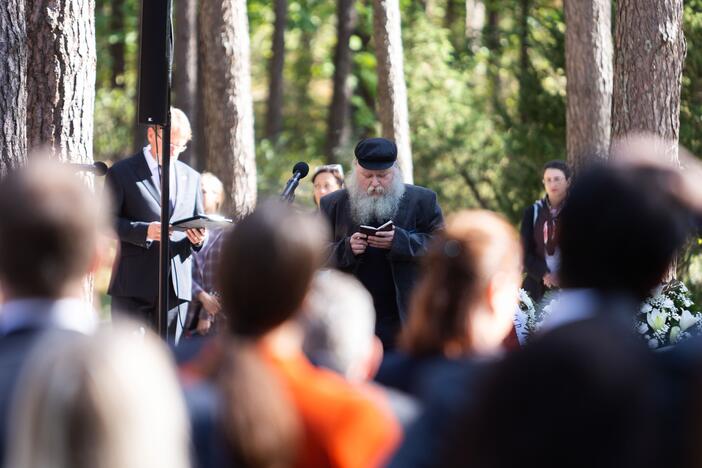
[376, 154]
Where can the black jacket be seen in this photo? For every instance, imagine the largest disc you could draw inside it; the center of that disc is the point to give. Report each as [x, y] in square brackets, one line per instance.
[136, 203]
[417, 218]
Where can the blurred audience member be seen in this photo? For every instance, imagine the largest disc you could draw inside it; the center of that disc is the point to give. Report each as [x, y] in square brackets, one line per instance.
[339, 324]
[539, 231]
[108, 401]
[51, 235]
[268, 263]
[619, 233]
[203, 311]
[327, 179]
[464, 304]
[582, 396]
[461, 312]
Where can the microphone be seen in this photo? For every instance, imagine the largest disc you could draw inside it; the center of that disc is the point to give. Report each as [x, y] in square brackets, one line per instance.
[300, 171]
[98, 168]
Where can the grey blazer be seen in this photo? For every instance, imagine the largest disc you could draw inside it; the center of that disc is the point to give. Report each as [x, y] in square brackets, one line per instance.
[136, 203]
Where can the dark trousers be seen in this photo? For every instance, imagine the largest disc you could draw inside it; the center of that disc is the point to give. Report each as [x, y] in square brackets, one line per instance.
[147, 313]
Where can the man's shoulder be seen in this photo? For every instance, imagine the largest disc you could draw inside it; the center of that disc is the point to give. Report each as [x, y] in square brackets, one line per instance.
[417, 191]
[185, 169]
[126, 163]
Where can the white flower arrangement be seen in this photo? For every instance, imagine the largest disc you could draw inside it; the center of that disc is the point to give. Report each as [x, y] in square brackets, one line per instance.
[667, 317]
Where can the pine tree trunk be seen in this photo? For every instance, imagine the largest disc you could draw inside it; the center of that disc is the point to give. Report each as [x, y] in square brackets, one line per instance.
[650, 53]
[524, 62]
[61, 77]
[339, 119]
[274, 116]
[228, 106]
[13, 85]
[475, 21]
[117, 48]
[185, 83]
[589, 86]
[392, 91]
[61, 83]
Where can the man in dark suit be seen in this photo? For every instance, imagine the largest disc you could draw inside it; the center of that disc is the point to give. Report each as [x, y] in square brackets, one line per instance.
[386, 262]
[51, 229]
[135, 185]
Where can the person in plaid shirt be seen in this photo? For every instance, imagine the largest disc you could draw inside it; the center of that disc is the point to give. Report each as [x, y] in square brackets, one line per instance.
[203, 313]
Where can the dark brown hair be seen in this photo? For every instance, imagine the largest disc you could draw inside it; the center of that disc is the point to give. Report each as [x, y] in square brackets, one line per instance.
[50, 229]
[457, 268]
[267, 264]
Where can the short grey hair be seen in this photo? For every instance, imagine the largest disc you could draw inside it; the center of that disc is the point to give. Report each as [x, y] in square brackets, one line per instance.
[339, 323]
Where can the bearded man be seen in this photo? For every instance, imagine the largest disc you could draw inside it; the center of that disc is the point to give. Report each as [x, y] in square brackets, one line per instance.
[386, 262]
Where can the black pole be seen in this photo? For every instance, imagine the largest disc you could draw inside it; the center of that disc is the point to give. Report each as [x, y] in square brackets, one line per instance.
[164, 256]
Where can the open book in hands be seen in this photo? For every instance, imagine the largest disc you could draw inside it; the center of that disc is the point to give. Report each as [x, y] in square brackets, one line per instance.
[371, 231]
[201, 222]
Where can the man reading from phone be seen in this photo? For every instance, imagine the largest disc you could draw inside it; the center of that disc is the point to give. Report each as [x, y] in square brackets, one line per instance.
[385, 260]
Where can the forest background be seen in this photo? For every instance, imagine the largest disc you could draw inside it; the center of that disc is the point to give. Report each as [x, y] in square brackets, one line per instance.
[486, 93]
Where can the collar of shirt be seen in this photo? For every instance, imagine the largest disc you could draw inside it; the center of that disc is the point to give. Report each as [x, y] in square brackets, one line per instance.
[64, 314]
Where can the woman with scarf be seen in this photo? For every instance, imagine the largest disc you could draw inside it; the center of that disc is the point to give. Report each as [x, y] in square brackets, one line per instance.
[539, 231]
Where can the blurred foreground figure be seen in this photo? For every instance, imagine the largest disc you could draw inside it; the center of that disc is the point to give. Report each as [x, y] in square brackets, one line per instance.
[275, 407]
[339, 324]
[107, 401]
[587, 391]
[50, 229]
[461, 312]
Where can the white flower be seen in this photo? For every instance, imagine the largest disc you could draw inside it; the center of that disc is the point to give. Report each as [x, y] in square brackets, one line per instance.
[656, 319]
[668, 303]
[674, 334]
[687, 320]
[643, 327]
[646, 308]
[653, 343]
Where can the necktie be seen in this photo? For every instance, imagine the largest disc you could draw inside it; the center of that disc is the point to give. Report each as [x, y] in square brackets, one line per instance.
[171, 189]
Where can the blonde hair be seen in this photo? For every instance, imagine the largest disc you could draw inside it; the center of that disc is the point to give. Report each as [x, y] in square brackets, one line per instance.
[107, 401]
[457, 269]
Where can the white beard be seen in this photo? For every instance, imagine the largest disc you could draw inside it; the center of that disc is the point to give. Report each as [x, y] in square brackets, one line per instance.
[366, 208]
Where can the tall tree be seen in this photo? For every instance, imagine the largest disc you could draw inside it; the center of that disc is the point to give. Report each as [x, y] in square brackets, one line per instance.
[589, 85]
[274, 115]
[117, 47]
[185, 83]
[339, 119]
[392, 90]
[475, 20]
[650, 52]
[228, 107]
[61, 77]
[13, 82]
[524, 63]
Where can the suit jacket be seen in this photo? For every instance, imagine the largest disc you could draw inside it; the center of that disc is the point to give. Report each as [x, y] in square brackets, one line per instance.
[417, 218]
[534, 261]
[137, 203]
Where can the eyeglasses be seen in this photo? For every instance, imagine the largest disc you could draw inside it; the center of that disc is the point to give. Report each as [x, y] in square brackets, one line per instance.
[175, 148]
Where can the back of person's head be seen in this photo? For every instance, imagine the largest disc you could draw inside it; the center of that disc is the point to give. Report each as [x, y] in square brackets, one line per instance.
[339, 322]
[474, 264]
[260, 424]
[50, 229]
[266, 266]
[620, 229]
[581, 396]
[106, 401]
[560, 165]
